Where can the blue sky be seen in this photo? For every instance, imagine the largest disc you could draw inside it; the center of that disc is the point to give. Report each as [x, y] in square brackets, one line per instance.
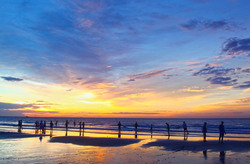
[194, 51]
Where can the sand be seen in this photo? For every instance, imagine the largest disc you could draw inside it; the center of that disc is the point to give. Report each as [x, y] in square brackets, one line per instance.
[28, 148]
[94, 141]
[9, 135]
[196, 146]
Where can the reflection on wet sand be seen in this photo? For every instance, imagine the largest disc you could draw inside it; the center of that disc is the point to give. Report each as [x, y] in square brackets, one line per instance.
[81, 132]
[119, 133]
[185, 136]
[222, 157]
[66, 132]
[51, 132]
[205, 154]
[136, 134]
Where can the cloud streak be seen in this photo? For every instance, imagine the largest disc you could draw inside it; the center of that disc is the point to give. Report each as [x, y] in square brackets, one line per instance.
[150, 74]
[12, 79]
[204, 24]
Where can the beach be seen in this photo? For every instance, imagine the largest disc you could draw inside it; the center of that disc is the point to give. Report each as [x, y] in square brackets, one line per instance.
[30, 148]
[101, 141]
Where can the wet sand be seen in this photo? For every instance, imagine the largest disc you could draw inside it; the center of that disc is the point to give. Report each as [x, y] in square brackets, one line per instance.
[94, 141]
[9, 135]
[196, 146]
[31, 148]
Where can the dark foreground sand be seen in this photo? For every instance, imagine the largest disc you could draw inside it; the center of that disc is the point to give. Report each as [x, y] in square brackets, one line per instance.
[93, 141]
[195, 146]
[9, 135]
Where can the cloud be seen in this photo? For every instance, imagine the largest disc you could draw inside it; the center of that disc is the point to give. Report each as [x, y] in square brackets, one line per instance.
[228, 81]
[243, 100]
[216, 71]
[236, 46]
[246, 70]
[14, 106]
[148, 74]
[245, 85]
[132, 113]
[194, 89]
[204, 24]
[5, 112]
[12, 79]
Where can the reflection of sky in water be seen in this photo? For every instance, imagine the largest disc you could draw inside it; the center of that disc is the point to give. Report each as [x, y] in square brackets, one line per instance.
[31, 150]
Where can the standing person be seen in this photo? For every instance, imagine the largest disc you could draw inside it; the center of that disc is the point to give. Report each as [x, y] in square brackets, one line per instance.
[204, 131]
[222, 132]
[41, 125]
[168, 128]
[37, 125]
[83, 125]
[136, 126]
[74, 123]
[80, 125]
[67, 124]
[44, 124]
[56, 123]
[185, 127]
[119, 125]
[51, 125]
[20, 126]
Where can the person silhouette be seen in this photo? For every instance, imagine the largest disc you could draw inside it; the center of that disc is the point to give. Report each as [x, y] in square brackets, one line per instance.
[136, 126]
[168, 129]
[222, 132]
[185, 127]
[67, 124]
[204, 131]
[80, 125]
[51, 125]
[119, 125]
[83, 125]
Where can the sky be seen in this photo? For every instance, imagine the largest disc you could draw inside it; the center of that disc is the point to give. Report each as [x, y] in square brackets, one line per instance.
[125, 58]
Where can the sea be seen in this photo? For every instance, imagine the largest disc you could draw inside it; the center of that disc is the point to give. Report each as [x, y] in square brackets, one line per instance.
[234, 127]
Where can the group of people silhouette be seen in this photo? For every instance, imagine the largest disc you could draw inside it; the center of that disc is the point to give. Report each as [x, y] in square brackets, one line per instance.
[185, 129]
[42, 127]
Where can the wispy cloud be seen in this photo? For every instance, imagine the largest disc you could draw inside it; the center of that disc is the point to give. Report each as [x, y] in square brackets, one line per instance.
[14, 106]
[216, 71]
[203, 24]
[150, 74]
[245, 85]
[12, 79]
[227, 81]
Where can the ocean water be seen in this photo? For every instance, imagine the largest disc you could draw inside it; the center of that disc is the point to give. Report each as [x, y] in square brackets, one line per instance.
[234, 127]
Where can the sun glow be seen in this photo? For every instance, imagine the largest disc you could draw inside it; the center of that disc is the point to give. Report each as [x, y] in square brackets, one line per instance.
[87, 95]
